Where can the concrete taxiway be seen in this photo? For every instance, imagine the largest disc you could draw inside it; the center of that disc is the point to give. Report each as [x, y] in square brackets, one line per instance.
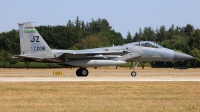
[108, 79]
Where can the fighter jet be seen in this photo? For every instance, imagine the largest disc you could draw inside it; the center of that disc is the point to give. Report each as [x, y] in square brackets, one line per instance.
[34, 48]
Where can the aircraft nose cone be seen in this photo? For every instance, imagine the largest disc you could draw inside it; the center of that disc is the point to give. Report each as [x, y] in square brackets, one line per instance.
[178, 56]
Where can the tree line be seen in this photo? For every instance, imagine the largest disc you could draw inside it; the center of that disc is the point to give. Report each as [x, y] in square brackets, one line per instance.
[98, 33]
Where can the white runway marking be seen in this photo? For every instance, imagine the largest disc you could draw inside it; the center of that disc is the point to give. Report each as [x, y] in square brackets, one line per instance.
[92, 79]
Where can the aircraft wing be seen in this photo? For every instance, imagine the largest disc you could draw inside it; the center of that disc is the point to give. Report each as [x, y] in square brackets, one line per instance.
[95, 51]
[104, 53]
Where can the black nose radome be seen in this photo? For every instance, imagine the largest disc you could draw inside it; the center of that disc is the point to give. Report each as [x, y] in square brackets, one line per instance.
[178, 56]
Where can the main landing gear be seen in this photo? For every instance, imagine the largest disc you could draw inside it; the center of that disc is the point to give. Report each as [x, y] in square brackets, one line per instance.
[82, 72]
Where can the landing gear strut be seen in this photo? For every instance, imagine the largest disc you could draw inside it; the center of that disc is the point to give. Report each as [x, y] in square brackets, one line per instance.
[82, 72]
[134, 64]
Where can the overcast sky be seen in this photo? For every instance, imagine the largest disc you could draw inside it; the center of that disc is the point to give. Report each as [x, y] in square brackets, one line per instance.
[123, 15]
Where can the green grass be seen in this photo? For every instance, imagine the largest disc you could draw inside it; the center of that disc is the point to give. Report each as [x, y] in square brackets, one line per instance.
[31, 65]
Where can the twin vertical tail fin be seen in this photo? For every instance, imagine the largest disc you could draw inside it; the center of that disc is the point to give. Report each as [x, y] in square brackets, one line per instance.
[30, 40]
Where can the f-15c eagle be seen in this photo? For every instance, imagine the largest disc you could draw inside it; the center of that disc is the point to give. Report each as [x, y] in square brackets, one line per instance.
[34, 48]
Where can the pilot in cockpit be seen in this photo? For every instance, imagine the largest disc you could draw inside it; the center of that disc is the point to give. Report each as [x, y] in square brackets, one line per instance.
[147, 44]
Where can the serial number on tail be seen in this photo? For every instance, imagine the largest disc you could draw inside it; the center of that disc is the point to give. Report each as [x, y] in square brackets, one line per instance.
[39, 48]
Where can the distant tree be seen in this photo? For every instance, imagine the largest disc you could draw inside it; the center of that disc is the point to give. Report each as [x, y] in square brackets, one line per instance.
[196, 54]
[78, 23]
[73, 48]
[113, 37]
[4, 58]
[92, 42]
[194, 39]
[162, 34]
[104, 25]
[129, 38]
[171, 31]
[136, 37]
[188, 29]
[148, 34]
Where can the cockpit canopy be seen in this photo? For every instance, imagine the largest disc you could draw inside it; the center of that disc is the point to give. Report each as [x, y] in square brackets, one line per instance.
[146, 44]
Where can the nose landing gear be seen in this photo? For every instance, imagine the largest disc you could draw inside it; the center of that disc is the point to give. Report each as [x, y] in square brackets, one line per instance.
[133, 73]
[134, 65]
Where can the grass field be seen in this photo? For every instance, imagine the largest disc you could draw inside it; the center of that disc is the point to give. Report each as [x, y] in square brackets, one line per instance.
[100, 96]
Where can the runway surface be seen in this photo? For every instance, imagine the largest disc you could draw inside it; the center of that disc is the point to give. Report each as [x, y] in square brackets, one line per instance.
[98, 79]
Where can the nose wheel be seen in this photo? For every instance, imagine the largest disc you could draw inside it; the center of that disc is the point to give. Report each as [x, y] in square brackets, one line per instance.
[82, 72]
[133, 73]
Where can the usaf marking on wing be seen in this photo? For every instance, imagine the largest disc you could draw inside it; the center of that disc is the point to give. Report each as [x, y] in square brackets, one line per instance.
[34, 48]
